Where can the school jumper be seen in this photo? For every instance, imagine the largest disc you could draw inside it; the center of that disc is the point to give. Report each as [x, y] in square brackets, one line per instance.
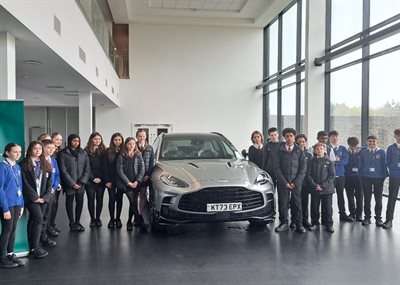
[353, 185]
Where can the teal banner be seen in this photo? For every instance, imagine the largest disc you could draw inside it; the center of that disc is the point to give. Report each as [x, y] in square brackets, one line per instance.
[12, 130]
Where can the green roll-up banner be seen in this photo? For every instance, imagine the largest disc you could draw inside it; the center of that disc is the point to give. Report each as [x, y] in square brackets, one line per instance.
[12, 130]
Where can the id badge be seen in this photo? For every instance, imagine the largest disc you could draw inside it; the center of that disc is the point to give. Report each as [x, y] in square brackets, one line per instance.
[355, 169]
[372, 169]
[19, 193]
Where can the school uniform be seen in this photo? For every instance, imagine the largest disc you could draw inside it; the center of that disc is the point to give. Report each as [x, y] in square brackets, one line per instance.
[321, 171]
[353, 185]
[52, 226]
[95, 191]
[257, 155]
[36, 184]
[373, 171]
[290, 166]
[11, 200]
[393, 164]
[110, 176]
[271, 151]
[341, 152]
[74, 169]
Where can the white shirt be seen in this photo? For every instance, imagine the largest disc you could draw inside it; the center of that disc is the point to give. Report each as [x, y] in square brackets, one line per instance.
[12, 163]
[258, 146]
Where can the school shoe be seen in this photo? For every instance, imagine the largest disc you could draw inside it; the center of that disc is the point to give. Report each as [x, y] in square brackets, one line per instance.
[129, 226]
[359, 218]
[300, 229]
[74, 227]
[387, 225]
[282, 228]
[7, 263]
[48, 242]
[306, 224]
[313, 228]
[37, 253]
[98, 222]
[111, 224]
[56, 228]
[345, 218]
[80, 227]
[118, 223]
[92, 223]
[366, 222]
[52, 232]
[15, 259]
[292, 225]
[330, 229]
[379, 222]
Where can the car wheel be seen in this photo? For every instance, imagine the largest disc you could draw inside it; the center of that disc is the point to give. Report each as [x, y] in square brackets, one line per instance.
[155, 220]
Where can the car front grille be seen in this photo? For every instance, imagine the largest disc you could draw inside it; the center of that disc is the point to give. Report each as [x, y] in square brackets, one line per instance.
[197, 201]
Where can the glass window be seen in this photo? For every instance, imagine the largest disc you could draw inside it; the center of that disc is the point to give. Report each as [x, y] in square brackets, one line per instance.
[302, 107]
[346, 102]
[289, 107]
[346, 19]
[273, 109]
[303, 29]
[383, 9]
[385, 44]
[384, 103]
[289, 27]
[273, 48]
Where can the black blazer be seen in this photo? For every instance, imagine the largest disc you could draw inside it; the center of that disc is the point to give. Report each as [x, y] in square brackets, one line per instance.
[29, 184]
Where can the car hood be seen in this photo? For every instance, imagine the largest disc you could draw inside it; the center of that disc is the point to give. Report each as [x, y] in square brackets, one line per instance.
[221, 171]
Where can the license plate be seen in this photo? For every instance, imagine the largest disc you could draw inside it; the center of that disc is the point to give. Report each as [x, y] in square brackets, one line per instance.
[224, 207]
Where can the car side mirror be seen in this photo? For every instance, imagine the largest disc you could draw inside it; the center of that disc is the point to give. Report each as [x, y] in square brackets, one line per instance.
[244, 153]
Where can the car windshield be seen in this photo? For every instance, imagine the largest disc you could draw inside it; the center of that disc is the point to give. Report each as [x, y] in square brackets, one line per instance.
[202, 147]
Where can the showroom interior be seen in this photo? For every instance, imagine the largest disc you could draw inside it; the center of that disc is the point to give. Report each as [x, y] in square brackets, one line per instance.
[226, 66]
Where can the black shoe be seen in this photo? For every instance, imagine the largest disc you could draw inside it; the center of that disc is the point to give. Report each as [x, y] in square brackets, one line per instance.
[366, 222]
[98, 222]
[306, 224]
[7, 263]
[92, 223]
[37, 253]
[313, 228]
[15, 259]
[379, 222]
[292, 225]
[330, 229]
[300, 229]
[387, 225]
[282, 228]
[345, 218]
[80, 227]
[129, 226]
[52, 232]
[73, 227]
[359, 218]
[57, 229]
[118, 224]
[111, 224]
[48, 242]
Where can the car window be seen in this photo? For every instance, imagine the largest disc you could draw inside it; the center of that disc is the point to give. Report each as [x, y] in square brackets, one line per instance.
[201, 147]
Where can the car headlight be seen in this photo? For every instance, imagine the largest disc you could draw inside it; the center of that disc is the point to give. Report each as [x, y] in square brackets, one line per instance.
[173, 181]
[262, 179]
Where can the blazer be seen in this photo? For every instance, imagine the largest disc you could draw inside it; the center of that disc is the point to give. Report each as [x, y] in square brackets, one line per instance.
[29, 184]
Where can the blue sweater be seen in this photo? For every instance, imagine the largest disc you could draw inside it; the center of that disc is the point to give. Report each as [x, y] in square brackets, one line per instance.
[10, 182]
[351, 169]
[55, 174]
[340, 151]
[372, 165]
[393, 161]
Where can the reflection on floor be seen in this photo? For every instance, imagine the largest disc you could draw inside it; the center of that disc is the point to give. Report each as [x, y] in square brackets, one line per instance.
[227, 253]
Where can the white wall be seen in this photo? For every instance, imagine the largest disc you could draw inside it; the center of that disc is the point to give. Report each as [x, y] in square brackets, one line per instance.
[199, 79]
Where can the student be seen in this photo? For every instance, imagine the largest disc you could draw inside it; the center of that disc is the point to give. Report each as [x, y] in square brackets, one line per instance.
[271, 149]
[11, 204]
[148, 158]
[373, 171]
[256, 151]
[323, 137]
[290, 169]
[321, 176]
[36, 182]
[352, 180]
[393, 164]
[95, 149]
[301, 140]
[110, 175]
[75, 172]
[130, 173]
[341, 160]
[48, 150]
[53, 229]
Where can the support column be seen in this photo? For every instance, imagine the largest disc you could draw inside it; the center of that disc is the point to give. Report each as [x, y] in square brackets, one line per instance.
[7, 67]
[314, 100]
[85, 116]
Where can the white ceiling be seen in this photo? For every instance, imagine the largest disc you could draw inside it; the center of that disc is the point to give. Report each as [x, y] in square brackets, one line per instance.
[243, 13]
[33, 80]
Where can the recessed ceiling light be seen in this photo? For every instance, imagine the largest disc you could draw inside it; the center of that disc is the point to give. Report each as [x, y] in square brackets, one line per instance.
[33, 62]
[54, 86]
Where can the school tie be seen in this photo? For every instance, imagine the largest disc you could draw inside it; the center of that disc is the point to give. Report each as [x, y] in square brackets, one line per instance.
[37, 169]
[289, 149]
